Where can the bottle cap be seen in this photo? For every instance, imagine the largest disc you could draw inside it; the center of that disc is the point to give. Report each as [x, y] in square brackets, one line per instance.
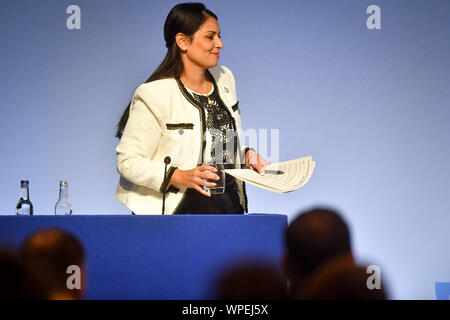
[63, 183]
[24, 182]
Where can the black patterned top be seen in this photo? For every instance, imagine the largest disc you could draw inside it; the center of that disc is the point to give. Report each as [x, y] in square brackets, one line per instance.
[219, 133]
[221, 139]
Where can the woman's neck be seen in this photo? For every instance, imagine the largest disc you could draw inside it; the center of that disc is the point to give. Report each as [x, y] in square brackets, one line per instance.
[195, 79]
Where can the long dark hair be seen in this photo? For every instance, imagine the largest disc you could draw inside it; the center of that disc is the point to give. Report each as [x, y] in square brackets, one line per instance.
[187, 19]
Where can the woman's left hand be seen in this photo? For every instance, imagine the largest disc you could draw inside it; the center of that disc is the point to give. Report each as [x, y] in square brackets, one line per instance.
[254, 161]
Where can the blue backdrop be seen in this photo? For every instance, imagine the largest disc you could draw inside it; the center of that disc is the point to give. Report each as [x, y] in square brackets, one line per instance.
[370, 106]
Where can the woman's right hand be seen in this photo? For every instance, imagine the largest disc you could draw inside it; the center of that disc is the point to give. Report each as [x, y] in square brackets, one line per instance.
[193, 178]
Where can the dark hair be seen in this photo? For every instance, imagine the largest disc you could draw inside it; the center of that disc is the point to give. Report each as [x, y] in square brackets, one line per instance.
[251, 280]
[17, 280]
[187, 19]
[50, 252]
[315, 237]
[340, 281]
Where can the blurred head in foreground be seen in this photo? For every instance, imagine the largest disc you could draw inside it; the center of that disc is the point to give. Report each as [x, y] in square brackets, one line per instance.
[17, 282]
[340, 279]
[56, 258]
[312, 239]
[252, 281]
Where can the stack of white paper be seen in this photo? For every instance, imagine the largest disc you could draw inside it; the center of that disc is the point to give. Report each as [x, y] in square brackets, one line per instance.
[296, 173]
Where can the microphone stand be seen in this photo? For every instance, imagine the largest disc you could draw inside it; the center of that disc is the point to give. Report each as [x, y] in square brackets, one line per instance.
[166, 161]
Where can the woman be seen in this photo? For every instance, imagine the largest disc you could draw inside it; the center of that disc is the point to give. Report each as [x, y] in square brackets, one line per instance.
[185, 110]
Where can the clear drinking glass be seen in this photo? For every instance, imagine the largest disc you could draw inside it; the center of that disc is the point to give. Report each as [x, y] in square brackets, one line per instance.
[220, 184]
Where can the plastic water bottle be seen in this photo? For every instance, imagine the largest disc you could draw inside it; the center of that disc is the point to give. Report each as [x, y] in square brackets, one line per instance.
[63, 206]
[24, 206]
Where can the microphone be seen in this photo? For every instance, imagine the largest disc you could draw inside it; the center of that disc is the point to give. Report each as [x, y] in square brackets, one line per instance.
[166, 161]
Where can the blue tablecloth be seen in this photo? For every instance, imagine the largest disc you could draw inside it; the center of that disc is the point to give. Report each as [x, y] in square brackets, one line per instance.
[159, 257]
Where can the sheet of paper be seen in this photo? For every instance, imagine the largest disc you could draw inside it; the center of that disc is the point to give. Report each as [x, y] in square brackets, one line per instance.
[297, 173]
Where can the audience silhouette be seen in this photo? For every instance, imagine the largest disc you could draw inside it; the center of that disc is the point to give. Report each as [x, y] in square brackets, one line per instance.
[312, 239]
[17, 282]
[339, 279]
[252, 280]
[319, 262]
[50, 252]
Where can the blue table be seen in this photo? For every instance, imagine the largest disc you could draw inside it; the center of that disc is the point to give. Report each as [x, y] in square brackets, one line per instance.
[159, 257]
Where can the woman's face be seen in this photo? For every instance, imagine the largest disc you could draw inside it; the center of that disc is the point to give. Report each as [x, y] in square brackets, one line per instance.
[206, 43]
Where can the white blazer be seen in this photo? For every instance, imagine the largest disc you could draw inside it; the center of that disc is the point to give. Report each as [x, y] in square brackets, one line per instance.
[163, 121]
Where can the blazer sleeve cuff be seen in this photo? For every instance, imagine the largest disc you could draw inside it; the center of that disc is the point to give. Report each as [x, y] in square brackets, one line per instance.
[247, 149]
[164, 186]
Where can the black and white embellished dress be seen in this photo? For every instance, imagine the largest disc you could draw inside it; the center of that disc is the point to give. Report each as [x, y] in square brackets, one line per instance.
[221, 146]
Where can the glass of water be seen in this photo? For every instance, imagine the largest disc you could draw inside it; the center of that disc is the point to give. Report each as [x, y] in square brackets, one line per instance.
[219, 188]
